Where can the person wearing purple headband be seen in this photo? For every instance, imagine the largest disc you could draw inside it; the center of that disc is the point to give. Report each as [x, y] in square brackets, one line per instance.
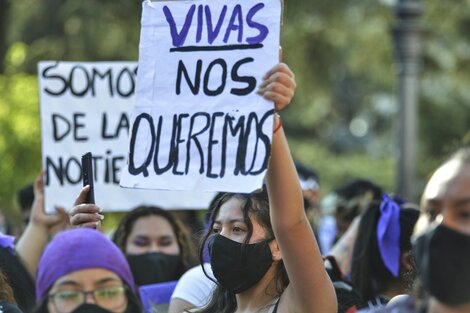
[81, 270]
[382, 265]
[442, 251]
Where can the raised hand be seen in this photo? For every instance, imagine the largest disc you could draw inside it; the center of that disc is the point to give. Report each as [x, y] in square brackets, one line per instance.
[85, 214]
[278, 86]
[51, 223]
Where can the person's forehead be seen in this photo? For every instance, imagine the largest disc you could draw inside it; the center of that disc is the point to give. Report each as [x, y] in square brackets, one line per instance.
[450, 181]
[87, 276]
[230, 210]
[151, 225]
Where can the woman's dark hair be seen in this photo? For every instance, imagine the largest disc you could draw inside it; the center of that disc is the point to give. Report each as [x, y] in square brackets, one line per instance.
[6, 292]
[19, 280]
[354, 197]
[369, 275]
[133, 302]
[254, 205]
[188, 253]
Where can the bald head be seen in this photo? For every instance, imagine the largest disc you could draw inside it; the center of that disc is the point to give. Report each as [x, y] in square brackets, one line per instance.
[448, 194]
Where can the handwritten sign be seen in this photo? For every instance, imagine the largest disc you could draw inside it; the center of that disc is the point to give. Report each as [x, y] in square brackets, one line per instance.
[199, 123]
[87, 106]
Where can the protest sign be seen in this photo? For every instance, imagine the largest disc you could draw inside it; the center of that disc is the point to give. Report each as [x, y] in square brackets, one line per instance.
[198, 122]
[87, 106]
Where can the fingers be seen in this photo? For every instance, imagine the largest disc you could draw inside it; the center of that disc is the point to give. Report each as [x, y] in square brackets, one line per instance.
[39, 185]
[37, 209]
[94, 225]
[281, 102]
[281, 79]
[84, 219]
[83, 215]
[281, 94]
[88, 208]
[278, 86]
[49, 220]
[63, 216]
[280, 67]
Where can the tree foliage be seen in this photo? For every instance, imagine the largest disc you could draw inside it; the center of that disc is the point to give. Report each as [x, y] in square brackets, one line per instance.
[343, 121]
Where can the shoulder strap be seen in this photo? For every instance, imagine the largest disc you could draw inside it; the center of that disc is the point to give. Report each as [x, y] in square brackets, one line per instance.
[275, 306]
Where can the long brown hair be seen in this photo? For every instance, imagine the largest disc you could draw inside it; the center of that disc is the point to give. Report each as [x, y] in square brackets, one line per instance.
[188, 251]
[6, 292]
[256, 206]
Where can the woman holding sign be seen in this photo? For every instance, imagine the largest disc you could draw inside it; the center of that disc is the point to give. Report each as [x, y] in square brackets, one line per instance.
[262, 250]
[279, 268]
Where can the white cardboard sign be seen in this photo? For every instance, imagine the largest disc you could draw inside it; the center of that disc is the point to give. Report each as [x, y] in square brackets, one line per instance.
[87, 106]
[198, 122]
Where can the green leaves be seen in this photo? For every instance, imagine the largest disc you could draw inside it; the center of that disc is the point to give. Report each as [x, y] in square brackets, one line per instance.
[20, 139]
[340, 50]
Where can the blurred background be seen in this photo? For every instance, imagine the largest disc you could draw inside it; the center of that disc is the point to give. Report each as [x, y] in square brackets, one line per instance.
[343, 121]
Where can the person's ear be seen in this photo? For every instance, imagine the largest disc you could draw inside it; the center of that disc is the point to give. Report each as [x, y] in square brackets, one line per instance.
[275, 251]
[406, 261]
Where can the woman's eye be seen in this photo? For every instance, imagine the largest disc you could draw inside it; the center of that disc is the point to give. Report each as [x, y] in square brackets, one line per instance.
[464, 214]
[237, 229]
[68, 295]
[215, 230]
[166, 242]
[432, 213]
[141, 242]
[109, 293]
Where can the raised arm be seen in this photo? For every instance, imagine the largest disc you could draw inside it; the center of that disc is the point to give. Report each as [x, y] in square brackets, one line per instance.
[40, 227]
[343, 248]
[310, 288]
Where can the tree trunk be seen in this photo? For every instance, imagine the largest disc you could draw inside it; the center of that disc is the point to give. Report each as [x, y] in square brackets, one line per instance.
[4, 10]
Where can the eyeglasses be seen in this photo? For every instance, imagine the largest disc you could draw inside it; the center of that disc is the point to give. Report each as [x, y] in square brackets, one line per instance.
[110, 298]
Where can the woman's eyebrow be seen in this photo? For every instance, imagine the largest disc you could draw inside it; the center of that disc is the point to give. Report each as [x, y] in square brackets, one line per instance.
[105, 280]
[235, 220]
[68, 283]
[141, 237]
[462, 201]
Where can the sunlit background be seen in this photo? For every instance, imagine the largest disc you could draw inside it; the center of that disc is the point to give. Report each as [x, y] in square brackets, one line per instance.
[343, 121]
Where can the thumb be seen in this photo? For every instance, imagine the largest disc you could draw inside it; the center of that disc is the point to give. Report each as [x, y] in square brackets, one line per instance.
[81, 198]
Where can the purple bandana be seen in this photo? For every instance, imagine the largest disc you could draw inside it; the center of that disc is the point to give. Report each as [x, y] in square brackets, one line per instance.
[388, 234]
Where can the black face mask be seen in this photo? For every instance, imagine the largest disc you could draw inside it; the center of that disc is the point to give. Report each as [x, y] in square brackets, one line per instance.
[90, 308]
[155, 267]
[443, 262]
[236, 266]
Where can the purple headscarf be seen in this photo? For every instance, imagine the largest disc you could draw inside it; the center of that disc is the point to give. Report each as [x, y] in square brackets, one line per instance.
[78, 249]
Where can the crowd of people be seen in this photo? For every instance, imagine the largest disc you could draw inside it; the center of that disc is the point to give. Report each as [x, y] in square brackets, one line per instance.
[259, 251]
